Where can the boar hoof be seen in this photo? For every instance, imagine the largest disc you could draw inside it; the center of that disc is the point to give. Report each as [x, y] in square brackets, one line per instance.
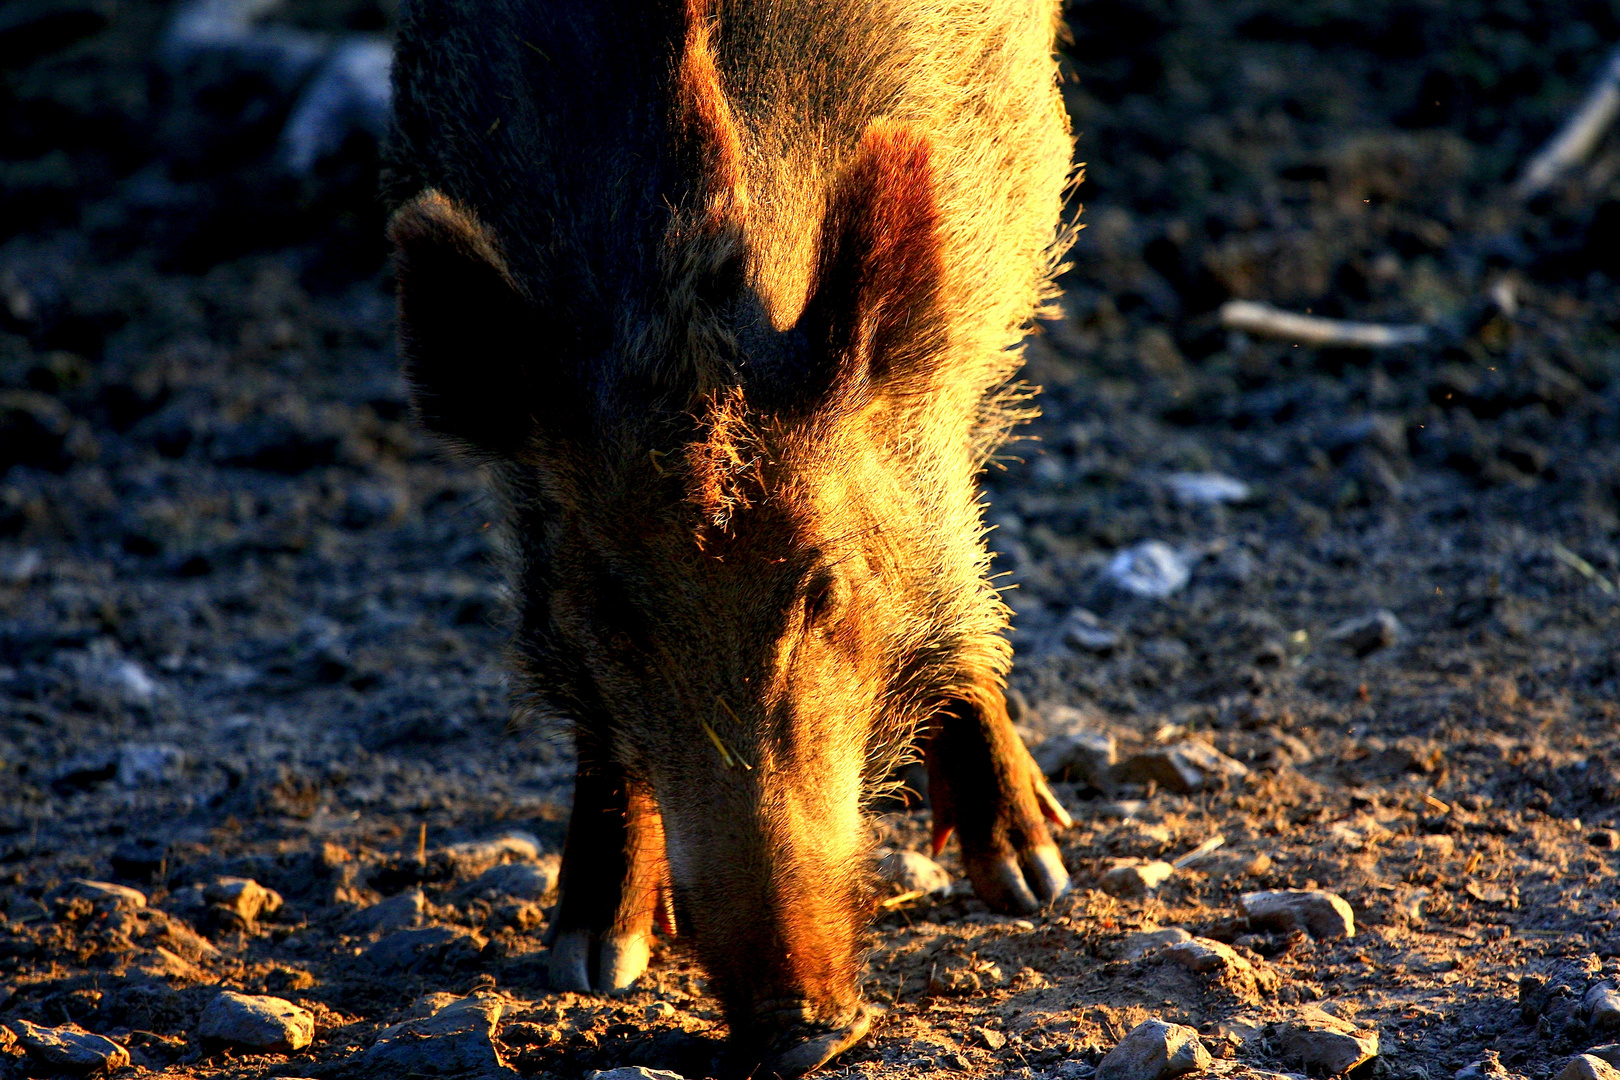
[806, 1055]
[621, 960]
[1020, 884]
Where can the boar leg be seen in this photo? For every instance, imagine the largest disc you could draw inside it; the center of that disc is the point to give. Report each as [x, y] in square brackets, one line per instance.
[612, 872]
[983, 783]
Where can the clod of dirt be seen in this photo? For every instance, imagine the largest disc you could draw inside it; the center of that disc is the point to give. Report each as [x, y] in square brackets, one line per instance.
[1323, 915]
[1184, 767]
[69, 1048]
[1367, 634]
[1324, 1044]
[1082, 629]
[1083, 757]
[265, 1024]
[1136, 879]
[1154, 1050]
[1206, 488]
[1205, 957]
[1604, 839]
[241, 900]
[1588, 1067]
[1602, 1006]
[456, 1040]
[518, 881]
[1143, 942]
[102, 895]
[418, 951]
[912, 871]
[402, 912]
[1489, 1067]
[476, 856]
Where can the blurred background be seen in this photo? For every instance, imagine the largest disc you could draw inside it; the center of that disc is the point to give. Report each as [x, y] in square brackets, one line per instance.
[245, 607]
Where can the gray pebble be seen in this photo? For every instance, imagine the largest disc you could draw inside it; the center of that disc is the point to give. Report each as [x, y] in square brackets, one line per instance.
[1184, 767]
[456, 1040]
[1368, 633]
[912, 871]
[519, 880]
[267, 1024]
[69, 1048]
[402, 912]
[1136, 879]
[1602, 1005]
[1152, 570]
[1325, 1050]
[1143, 942]
[1154, 1050]
[416, 951]
[1321, 914]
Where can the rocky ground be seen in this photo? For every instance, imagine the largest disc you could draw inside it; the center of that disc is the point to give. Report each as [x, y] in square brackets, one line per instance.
[1287, 617]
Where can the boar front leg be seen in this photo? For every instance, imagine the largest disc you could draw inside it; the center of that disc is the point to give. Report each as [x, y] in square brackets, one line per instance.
[983, 783]
[612, 872]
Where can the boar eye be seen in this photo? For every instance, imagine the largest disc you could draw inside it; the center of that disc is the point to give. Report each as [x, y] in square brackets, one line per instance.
[824, 598]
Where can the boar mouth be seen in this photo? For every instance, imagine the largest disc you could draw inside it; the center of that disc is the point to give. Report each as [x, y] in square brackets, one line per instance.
[804, 1045]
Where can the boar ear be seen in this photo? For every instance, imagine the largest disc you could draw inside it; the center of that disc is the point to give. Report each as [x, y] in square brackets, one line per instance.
[463, 327]
[872, 321]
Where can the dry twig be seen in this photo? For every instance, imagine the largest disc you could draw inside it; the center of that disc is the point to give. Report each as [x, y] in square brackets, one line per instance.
[1580, 133]
[1267, 321]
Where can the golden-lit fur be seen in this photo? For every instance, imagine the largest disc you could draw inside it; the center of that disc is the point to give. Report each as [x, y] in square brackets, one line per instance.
[766, 269]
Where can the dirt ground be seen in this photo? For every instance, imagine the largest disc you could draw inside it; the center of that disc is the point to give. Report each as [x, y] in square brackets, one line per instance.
[250, 626]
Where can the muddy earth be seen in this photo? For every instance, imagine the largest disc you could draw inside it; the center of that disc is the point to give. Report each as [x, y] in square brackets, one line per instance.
[1286, 617]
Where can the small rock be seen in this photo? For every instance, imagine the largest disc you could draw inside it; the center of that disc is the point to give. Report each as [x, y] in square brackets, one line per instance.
[1151, 570]
[1143, 942]
[1321, 914]
[1488, 1067]
[1588, 1067]
[1184, 767]
[1136, 879]
[1369, 633]
[633, 1073]
[1083, 630]
[415, 951]
[1326, 1049]
[1154, 1050]
[1085, 757]
[476, 856]
[145, 764]
[402, 912]
[1602, 1005]
[519, 880]
[1609, 1052]
[912, 871]
[456, 1040]
[103, 895]
[1206, 488]
[69, 1048]
[992, 1040]
[140, 859]
[243, 898]
[266, 1024]
[1606, 839]
[1205, 957]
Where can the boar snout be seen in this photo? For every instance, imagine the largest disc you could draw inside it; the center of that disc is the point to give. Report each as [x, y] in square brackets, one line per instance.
[772, 889]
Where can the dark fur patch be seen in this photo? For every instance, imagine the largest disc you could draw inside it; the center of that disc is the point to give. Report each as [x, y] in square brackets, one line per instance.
[464, 327]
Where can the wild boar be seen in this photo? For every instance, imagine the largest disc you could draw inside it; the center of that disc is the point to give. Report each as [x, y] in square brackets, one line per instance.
[726, 297]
